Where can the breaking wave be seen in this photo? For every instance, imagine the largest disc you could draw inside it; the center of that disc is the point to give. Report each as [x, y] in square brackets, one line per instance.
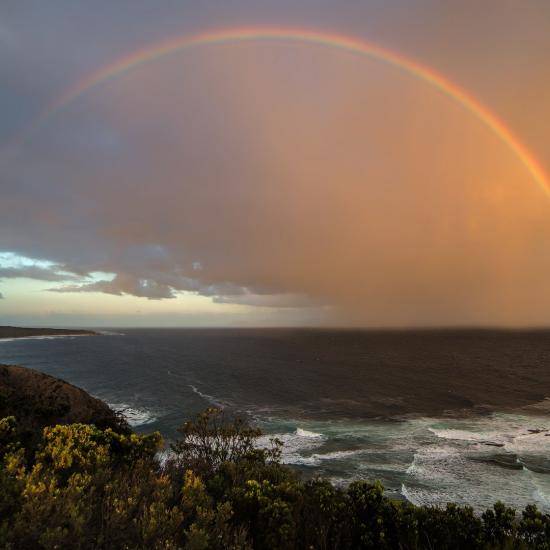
[295, 444]
[133, 415]
[222, 404]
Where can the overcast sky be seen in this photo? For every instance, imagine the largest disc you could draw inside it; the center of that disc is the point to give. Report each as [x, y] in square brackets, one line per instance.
[273, 182]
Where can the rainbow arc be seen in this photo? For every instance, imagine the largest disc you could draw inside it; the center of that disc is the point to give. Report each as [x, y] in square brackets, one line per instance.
[360, 47]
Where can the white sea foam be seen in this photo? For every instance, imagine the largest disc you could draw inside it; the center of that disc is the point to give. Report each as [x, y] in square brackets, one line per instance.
[44, 337]
[306, 433]
[164, 455]
[408, 495]
[134, 416]
[295, 444]
[430, 462]
[465, 435]
[530, 443]
[318, 458]
[475, 460]
[479, 461]
[210, 398]
[298, 445]
[515, 435]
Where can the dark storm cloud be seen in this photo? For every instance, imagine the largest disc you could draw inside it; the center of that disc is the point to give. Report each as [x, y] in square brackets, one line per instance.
[161, 285]
[155, 286]
[123, 284]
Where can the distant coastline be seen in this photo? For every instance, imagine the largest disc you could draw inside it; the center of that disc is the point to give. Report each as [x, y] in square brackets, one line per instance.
[22, 332]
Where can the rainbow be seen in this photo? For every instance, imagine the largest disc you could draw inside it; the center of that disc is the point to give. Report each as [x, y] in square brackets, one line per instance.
[361, 47]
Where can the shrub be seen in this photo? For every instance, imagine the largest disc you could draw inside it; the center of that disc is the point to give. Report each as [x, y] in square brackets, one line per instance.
[88, 488]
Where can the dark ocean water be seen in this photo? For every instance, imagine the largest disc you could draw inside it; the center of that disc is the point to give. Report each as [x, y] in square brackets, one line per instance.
[436, 415]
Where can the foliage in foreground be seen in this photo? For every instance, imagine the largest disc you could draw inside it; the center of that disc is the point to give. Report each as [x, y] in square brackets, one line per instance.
[90, 488]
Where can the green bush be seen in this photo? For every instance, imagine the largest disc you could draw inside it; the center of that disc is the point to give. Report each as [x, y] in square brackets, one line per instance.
[87, 488]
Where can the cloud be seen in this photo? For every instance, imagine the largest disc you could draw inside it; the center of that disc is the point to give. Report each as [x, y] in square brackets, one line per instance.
[123, 284]
[277, 175]
[54, 273]
[163, 285]
[1, 296]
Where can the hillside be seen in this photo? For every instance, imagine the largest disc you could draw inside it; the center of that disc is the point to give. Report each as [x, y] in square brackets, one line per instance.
[38, 400]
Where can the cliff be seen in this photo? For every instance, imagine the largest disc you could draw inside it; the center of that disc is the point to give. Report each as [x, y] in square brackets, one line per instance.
[38, 400]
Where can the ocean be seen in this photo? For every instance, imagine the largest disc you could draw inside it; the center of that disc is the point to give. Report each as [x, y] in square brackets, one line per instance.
[437, 415]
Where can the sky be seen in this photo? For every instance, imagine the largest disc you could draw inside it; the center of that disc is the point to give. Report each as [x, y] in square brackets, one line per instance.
[273, 182]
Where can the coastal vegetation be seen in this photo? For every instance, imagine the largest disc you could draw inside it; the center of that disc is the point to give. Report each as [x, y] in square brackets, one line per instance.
[84, 485]
[21, 332]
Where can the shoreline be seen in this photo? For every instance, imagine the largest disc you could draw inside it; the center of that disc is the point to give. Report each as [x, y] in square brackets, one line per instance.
[13, 333]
